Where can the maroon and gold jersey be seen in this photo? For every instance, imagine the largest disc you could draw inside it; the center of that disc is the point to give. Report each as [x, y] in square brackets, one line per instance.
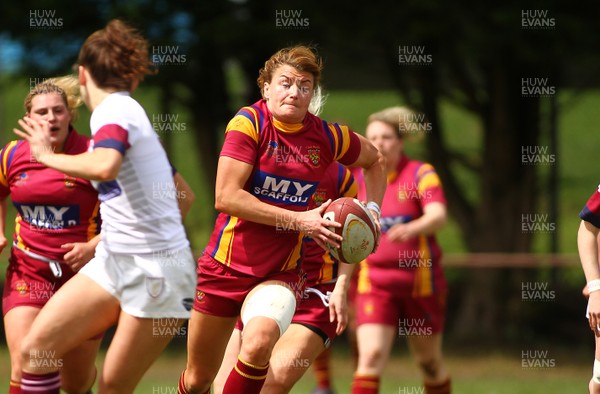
[413, 185]
[52, 208]
[289, 162]
[318, 264]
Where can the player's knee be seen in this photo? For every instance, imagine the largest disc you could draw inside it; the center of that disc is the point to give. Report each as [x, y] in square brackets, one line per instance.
[285, 375]
[258, 339]
[15, 367]
[276, 386]
[430, 366]
[77, 383]
[196, 383]
[372, 357]
[34, 352]
[272, 301]
[72, 387]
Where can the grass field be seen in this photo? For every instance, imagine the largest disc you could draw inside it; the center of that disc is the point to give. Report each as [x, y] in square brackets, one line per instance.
[485, 371]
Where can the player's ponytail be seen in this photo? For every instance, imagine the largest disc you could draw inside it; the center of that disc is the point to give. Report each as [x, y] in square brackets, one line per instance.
[116, 56]
[317, 102]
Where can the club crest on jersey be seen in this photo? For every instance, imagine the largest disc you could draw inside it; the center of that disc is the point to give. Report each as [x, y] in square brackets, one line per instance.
[154, 286]
[69, 181]
[272, 148]
[319, 197]
[21, 287]
[200, 296]
[21, 179]
[314, 153]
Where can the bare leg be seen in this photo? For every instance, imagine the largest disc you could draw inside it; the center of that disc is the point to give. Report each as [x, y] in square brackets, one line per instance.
[593, 386]
[67, 312]
[374, 345]
[79, 372]
[135, 346]
[17, 323]
[427, 351]
[207, 340]
[292, 356]
[229, 360]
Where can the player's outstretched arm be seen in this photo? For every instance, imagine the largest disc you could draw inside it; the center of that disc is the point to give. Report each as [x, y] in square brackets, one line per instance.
[101, 164]
[434, 218]
[587, 246]
[373, 163]
[338, 302]
[185, 194]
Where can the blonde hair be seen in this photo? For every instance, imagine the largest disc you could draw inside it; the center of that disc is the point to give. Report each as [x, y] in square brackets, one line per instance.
[400, 118]
[317, 102]
[68, 89]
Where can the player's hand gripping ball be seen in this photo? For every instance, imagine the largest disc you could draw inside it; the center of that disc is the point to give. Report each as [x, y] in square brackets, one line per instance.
[358, 229]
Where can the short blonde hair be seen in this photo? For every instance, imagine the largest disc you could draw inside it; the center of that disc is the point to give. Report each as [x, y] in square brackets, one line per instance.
[67, 87]
[397, 117]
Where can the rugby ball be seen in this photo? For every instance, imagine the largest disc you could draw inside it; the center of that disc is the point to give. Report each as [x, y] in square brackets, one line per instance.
[358, 229]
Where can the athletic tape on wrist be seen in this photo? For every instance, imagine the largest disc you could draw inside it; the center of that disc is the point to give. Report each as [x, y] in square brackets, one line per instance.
[372, 205]
[593, 285]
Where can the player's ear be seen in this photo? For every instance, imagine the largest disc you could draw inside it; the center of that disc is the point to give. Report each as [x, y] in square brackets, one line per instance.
[266, 90]
[81, 75]
[134, 85]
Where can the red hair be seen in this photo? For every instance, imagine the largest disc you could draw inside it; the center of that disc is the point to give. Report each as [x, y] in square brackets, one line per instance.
[116, 56]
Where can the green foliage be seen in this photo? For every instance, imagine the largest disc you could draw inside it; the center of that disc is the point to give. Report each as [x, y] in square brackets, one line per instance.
[577, 120]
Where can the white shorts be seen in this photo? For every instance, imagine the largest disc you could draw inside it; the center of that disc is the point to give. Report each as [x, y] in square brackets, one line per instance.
[157, 285]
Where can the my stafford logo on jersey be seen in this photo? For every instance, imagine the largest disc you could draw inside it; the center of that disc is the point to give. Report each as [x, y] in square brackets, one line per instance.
[280, 189]
[49, 217]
